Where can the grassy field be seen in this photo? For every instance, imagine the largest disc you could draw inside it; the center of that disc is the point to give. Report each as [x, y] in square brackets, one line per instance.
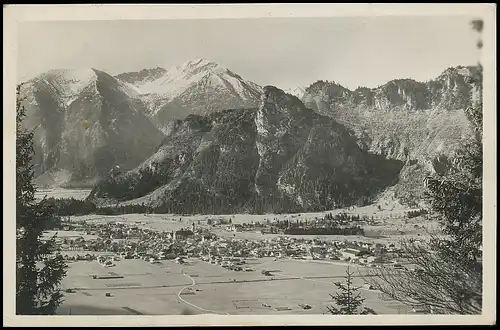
[68, 233]
[62, 193]
[199, 287]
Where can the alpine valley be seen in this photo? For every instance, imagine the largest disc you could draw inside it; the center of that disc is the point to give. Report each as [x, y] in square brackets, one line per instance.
[199, 138]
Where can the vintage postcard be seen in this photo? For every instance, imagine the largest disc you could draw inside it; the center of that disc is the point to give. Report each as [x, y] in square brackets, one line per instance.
[263, 164]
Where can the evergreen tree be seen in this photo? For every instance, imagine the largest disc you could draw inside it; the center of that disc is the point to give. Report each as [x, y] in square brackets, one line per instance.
[448, 279]
[40, 269]
[348, 299]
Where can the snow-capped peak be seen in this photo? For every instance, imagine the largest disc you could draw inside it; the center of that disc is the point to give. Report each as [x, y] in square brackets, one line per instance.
[199, 62]
[178, 79]
[68, 81]
[68, 84]
[200, 65]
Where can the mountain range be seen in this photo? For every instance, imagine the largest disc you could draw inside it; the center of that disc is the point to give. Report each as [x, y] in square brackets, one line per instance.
[87, 121]
[279, 157]
[165, 130]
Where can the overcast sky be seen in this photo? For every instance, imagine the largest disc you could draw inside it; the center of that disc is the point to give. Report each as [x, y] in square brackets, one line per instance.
[287, 52]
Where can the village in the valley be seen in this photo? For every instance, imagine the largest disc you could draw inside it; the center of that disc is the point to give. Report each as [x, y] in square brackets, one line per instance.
[231, 264]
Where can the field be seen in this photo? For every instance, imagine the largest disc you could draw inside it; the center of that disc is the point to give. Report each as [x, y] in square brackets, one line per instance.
[62, 193]
[199, 287]
[68, 233]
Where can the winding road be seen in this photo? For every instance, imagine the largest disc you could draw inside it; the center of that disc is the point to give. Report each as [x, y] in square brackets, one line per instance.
[191, 304]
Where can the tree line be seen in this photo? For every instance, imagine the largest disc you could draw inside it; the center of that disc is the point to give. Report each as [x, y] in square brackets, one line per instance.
[356, 230]
[75, 207]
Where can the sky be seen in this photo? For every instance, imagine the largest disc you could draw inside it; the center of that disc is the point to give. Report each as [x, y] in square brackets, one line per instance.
[285, 52]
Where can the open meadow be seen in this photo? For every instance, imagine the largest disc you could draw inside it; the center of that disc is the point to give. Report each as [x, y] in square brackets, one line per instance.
[80, 194]
[199, 287]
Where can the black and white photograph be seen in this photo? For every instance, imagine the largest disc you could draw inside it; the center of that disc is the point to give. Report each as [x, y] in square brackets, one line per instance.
[251, 166]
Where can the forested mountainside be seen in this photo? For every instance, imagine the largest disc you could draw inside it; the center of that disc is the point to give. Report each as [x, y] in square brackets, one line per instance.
[279, 157]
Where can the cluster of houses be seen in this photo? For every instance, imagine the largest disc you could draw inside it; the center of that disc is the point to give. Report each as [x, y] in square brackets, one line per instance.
[133, 241]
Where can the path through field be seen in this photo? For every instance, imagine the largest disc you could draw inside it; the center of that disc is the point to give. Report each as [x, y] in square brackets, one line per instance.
[190, 304]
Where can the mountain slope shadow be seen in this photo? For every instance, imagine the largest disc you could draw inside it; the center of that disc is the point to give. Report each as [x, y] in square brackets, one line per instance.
[85, 123]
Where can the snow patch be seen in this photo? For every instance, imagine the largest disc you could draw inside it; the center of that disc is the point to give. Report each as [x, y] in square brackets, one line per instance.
[260, 125]
[69, 82]
[237, 85]
[288, 189]
[464, 71]
[204, 144]
[296, 91]
[128, 89]
[260, 151]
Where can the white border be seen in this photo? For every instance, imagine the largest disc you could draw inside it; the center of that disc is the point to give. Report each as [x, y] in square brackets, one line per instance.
[13, 14]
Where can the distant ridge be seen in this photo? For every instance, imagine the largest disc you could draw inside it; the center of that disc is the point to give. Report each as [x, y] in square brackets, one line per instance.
[420, 123]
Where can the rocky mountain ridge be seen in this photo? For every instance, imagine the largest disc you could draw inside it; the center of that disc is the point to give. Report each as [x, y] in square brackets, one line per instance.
[420, 123]
[89, 122]
[86, 122]
[451, 90]
[278, 157]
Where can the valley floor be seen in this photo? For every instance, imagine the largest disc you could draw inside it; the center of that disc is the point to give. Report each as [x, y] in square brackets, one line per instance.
[391, 223]
[62, 193]
[197, 286]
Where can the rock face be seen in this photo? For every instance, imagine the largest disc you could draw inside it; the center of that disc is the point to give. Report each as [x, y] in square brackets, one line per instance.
[195, 87]
[142, 77]
[87, 122]
[279, 157]
[411, 121]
